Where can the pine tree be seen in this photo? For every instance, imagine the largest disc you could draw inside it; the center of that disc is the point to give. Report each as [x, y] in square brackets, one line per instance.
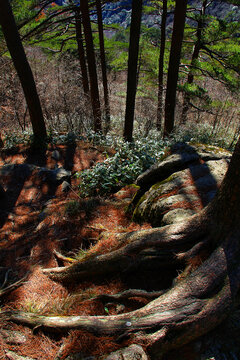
[23, 69]
[132, 68]
[174, 62]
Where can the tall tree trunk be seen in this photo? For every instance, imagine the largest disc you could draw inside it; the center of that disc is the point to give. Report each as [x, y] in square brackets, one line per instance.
[92, 70]
[23, 69]
[81, 52]
[103, 65]
[161, 66]
[132, 68]
[174, 62]
[195, 55]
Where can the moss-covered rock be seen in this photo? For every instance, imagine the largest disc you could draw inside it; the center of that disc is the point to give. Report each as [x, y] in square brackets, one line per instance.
[184, 183]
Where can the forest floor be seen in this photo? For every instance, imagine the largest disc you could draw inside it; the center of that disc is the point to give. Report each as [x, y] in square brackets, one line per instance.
[36, 221]
[40, 218]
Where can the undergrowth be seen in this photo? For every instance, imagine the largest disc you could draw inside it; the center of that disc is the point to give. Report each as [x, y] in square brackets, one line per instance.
[130, 159]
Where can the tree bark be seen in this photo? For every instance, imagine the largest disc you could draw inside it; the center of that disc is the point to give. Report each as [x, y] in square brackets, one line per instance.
[132, 68]
[23, 69]
[103, 66]
[96, 108]
[173, 67]
[161, 66]
[195, 55]
[81, 53]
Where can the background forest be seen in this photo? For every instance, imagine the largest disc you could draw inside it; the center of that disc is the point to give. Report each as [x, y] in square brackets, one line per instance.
[208, 79]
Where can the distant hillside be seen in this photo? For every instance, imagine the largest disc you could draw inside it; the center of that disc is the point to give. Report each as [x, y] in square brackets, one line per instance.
[119, 12]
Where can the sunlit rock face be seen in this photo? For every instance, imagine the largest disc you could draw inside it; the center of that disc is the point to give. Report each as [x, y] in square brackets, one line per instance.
[180, 185]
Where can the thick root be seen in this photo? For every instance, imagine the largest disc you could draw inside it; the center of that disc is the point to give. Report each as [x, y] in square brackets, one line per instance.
[190, 309]
[137, 248]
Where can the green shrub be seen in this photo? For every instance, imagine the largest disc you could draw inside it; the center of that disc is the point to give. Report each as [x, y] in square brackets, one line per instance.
[129, 161]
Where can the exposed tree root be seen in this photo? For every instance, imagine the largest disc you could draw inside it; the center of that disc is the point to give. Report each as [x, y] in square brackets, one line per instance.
[136, 249]
[128, 294]
[199, 301]
[191, 308]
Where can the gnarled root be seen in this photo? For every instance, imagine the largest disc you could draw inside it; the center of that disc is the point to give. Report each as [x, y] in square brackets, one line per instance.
[194, 306]
[159, 246]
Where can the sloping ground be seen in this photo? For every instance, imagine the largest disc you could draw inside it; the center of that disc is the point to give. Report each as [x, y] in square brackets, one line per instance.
[41, 220]
[36, 221]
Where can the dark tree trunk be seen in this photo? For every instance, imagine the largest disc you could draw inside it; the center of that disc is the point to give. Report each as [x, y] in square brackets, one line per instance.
[23, 69]
[81, 53]
[207, 292]
[132, 68]
[103, 65]
[161, 66]
[92, 70]
[195, 55]
[173, 67]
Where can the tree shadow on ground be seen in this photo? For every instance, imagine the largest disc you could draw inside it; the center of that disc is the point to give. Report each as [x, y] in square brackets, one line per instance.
[202, 178]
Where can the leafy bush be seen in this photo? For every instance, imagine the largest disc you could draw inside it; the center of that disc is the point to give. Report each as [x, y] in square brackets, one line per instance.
[129, 161]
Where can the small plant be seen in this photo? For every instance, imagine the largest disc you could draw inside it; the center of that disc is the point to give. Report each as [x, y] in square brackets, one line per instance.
[73, 208]
[81, 254]
[83, 206]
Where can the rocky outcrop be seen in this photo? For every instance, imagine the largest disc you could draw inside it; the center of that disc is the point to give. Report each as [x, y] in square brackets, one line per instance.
[181, 185]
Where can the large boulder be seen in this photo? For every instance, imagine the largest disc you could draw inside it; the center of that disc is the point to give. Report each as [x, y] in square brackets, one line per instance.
[181, 185]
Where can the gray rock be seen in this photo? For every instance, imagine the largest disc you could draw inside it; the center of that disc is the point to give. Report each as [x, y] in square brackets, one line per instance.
[182, 193]
[182, 155]
[176, 215]
[164, 169]
[56, 175]
[56, 155]
[133, 352]
[165, 205]
[65, 186]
